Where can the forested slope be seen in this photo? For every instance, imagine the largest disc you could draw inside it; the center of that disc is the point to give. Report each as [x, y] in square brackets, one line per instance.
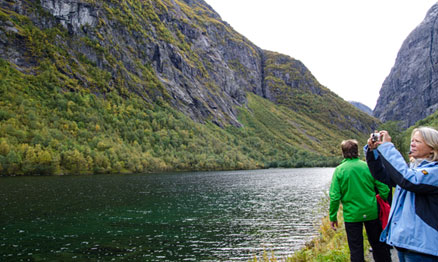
[142, 86]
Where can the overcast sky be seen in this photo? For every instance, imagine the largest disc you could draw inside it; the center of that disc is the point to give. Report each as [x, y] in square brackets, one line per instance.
[350, 46]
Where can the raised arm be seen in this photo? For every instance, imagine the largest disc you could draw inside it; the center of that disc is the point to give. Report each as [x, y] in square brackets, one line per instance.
[377, 168]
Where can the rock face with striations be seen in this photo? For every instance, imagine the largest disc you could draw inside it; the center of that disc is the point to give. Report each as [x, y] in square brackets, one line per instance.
[195, 61]
[410, 91]
[177, 51]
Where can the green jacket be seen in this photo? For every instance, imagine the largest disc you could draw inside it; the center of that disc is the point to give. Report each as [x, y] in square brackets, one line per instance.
[354, 187]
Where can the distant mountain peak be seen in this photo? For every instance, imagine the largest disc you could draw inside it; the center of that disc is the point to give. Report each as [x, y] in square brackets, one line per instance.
[362, 107]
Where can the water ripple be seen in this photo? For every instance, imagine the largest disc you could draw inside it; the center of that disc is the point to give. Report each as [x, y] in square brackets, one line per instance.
[203, 216]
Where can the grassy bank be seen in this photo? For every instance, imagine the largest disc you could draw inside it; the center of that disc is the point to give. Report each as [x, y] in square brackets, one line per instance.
[329, 245]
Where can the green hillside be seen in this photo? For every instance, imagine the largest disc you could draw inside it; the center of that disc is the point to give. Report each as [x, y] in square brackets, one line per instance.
[49, 131]
[94, 101]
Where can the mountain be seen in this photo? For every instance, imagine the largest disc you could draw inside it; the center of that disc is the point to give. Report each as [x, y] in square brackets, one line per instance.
[92, 86]
[410, 92]
[362, 107]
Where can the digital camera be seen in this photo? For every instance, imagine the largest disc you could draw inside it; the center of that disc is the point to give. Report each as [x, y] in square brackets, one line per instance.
[375, 137]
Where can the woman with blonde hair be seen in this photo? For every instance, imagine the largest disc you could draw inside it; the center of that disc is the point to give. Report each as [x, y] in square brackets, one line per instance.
[413, 221]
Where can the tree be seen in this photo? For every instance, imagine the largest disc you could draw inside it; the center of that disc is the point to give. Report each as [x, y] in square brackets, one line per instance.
[73, 161]
[4, 148]
[12, 163]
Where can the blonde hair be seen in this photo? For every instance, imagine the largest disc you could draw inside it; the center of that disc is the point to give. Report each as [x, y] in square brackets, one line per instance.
[430, 137]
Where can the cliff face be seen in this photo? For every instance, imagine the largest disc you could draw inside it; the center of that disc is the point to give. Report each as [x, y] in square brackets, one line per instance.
[123, 86]
[202, 65]
[410, 92]
[288, 82]
[180, 52]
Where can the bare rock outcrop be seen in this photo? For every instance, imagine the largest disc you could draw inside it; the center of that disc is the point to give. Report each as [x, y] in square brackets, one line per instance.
[410, 91]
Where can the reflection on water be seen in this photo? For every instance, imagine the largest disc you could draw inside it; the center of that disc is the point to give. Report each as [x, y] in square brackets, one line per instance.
[203, 216]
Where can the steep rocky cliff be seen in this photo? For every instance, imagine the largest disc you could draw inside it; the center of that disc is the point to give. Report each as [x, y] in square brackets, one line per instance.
[410, 92]
[91, 86]
[179, 51]
[288, 82]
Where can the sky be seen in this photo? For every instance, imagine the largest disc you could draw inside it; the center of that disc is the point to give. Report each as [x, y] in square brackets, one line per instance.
[350, 46]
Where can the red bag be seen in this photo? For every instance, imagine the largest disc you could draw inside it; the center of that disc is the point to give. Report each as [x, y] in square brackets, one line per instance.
[384, 209]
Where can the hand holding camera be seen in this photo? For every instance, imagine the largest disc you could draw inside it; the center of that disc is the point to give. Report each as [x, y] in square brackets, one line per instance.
[377, 138]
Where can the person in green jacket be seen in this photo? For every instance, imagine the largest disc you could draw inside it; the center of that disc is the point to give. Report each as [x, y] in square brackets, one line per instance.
[354, 186]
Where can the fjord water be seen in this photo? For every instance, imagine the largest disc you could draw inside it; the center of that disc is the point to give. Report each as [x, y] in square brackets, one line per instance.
[201, 216]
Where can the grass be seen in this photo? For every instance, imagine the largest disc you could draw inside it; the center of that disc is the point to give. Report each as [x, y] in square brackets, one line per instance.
[329, 245]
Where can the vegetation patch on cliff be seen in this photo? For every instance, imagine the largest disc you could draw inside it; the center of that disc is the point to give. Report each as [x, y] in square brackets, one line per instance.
[46, 129]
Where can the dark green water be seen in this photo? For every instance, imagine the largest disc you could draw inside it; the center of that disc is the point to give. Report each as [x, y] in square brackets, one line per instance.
[203, 216]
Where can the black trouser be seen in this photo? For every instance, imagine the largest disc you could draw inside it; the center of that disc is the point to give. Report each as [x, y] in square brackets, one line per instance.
[373, 228]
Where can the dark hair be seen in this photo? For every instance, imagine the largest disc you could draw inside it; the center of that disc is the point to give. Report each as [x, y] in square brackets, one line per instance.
[350, 148]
